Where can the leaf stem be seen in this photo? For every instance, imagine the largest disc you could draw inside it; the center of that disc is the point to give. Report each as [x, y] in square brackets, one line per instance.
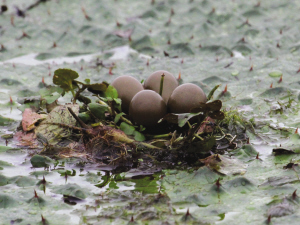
[197, 136]
[162, 136]
[111, 113]
[161, 84]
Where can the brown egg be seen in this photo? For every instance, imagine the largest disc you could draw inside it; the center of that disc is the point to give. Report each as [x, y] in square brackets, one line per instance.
[147, 107]
[185, 97]
[127, 87]
[153, 83]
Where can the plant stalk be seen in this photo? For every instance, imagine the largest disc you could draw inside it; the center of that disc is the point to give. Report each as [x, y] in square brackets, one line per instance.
[161, 84]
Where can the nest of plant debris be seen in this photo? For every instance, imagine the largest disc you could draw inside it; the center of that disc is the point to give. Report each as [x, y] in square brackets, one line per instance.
[102, 134]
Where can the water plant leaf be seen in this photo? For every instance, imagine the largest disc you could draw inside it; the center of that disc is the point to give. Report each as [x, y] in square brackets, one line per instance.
[211, 93]
[290, 147]
[60, 114]
[282, 209]
[128, 129]
[5, 148]
[40, 161]
[64, 78]
[138, 136]
[72, 190]
[202, 147]
[97, 88]
[246, 152]
[275, 74]
[85, 117]
[118, 116]
[7, 201]
[4, 121]
[224, 165]
[22, 181]
[98, 110]
[111, 92]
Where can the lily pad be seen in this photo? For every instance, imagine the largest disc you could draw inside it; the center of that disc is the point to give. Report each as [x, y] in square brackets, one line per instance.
[40, 161]
[72, 190]
[224, 165]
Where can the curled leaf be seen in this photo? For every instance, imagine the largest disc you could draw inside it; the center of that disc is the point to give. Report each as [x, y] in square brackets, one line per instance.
[97, 88]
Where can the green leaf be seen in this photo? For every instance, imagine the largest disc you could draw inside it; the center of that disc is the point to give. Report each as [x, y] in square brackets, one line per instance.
[7, 201]
[40, 161]
[71, 173]
[275, 74]
[72, 190]
[224, 165]
[139, 136]
[97, 88]
[4, 148]
[111, 92]
[64, 78]
[128, 129]
[85, 117]
[50, 93]
[118, 116]
[211, 93]
[113, 185]
[98, 110]
[5, 121]
[3, 163]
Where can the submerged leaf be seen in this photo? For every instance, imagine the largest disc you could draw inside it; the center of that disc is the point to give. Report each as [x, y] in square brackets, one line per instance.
[282, 209]
[72, 190]
[5, 121]
[224, 165]
[279, 181]
[7, 201]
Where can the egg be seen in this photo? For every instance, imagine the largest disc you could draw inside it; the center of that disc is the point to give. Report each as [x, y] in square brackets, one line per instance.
[169, 83]
[185, 97]
[127, 87]
[147, 107]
